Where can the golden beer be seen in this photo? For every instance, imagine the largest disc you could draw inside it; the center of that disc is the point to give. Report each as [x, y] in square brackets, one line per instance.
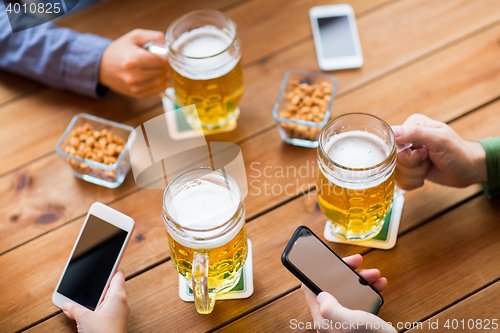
[357, 158]
[205, 57]
[225, 261]
[205, 220]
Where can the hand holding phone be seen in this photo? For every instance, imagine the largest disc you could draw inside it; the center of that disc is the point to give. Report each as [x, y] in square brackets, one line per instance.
[94, 258]
[334, 318]
[321, 269]
[111, 316]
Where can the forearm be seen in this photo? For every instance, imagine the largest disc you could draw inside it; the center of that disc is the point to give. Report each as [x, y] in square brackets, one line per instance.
[492, 149]
[57, 57]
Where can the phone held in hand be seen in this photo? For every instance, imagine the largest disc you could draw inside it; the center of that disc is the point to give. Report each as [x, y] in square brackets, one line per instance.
[94, 258]
[321, 269]
[336, 37]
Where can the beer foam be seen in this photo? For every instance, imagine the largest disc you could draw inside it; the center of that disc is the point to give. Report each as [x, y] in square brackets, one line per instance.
[204, 42]
[357, 149]
[203, 205]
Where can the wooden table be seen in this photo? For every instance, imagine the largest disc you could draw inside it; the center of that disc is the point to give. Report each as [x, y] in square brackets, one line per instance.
[439, 58]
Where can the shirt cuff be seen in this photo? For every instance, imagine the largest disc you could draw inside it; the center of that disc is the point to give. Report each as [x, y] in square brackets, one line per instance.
[492, 148]
[81, 65]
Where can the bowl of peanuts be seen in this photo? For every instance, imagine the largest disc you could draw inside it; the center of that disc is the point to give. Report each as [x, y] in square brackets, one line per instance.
[303, 106]
[96, 149]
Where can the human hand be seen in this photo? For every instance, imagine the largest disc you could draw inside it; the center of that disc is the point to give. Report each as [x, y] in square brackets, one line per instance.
[444, 157]
[110, 316]
[129, 69]
[325, 308]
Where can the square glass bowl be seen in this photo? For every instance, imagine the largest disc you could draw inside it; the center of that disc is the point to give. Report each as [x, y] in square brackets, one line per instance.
[110, 176]
[300, 132]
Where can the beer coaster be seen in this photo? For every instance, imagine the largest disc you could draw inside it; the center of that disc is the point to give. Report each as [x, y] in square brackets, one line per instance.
[243, 289]
[178, 126]
[386, 238]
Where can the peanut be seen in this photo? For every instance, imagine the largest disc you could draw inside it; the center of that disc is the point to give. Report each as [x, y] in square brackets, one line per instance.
[99, 146]
[90, 141]
[74, 142]
[117, 140]
[305, 102]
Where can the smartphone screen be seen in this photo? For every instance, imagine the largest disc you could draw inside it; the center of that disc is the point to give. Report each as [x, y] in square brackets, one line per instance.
[336, 37]
[92, 262]
[321, 269]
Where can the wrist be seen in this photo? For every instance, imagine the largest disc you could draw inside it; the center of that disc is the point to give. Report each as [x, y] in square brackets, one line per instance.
[477, 162]
[103, 68]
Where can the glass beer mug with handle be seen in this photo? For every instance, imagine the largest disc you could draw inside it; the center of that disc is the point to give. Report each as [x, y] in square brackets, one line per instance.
[356, 160]
[204, 53]
[204, 215]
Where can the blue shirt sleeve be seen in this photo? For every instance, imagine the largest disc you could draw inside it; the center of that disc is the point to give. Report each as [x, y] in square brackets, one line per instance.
[58, 57]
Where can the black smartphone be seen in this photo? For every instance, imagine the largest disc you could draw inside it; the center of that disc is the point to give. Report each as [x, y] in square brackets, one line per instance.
[321, 269]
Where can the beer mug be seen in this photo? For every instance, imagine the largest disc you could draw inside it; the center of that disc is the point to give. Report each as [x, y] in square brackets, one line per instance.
[204, 53]
[204, 215]
[356, 161]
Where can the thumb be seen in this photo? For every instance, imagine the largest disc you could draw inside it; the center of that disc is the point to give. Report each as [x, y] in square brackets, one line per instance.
[329, 307]
[417, 135]
[140, 37]
[75, 311]
[116, 288]
[419, 130]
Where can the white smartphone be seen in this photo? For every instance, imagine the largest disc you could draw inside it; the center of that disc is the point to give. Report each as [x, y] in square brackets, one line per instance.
[94, 258]
[336, 37]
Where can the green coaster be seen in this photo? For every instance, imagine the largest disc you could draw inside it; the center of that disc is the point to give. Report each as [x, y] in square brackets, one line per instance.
[386, 238]
[243, 289]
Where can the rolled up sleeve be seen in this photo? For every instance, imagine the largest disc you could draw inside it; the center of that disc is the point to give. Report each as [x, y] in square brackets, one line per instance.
[492, 148]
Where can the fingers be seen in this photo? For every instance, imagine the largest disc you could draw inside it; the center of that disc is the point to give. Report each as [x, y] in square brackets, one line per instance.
[116, 288]
[141, 75]
[141, 36]
[148, 60]
[412, 158]
[380, 284]
[419, 130]
[148, 88]
[422, 120]
[75, 311]
[329, 307]
[412, 168]
[139, 57]
[370, 275]
[417, 135]
[354, 261]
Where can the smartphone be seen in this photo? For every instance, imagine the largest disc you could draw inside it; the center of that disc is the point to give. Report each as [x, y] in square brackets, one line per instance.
[336, 37]
[321, 269]
[94, 258]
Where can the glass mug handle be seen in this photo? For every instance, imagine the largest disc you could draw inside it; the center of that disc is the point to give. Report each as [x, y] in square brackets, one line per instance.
[203, 299]
[401, 147]
[160, 50]
[156, 48]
